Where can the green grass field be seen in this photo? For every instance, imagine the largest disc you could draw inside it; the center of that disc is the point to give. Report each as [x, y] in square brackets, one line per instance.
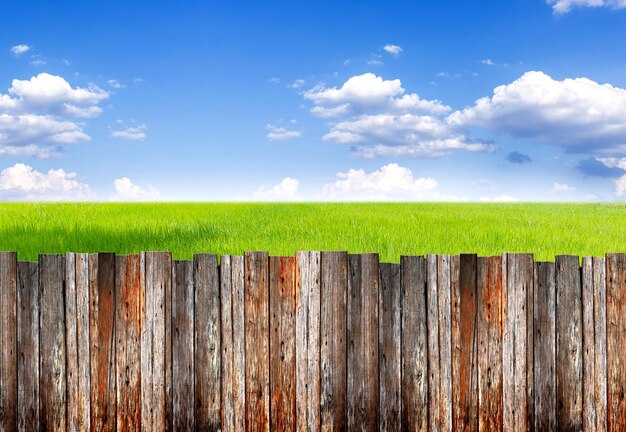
[390, 229]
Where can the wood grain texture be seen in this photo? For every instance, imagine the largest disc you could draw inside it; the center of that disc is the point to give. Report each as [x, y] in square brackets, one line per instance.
[129, 285]
[207, 347]
[52, 369]
[28, 346]
[616, 341]
[333, 319]
[569, 344]
[102, 302]
[8, 341]
[71, 341]
[256, 292]
[183, 395]
[158, 276]
[445, 343]
[363, 380]
[434, 370]
[390, 347]
[307, 281]
[589, 348]
[464, 315]
[414, 344]
[545, 346]
[599, 318]
[490, 288]
[282, 310]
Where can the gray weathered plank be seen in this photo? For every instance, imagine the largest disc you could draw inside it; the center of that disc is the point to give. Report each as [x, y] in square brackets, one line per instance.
[445, 343]
[28, 346]
[545, 346]
[239, 340]
[158, 276]
[307, 281]
[207, 348]
[569, 344]
[183, 395]
[616, 341]
[227, 411]
[256, 293]
[8, 341]
[363, 384]
[71, 340]
[464, 311]
[390, 349]
[52, 380]
[434, 369]
[490, 290]
[589, 349]
[282, 343]
[129, 285]
[414, 344]
[599, 318]
[333, 319]
[102, 341]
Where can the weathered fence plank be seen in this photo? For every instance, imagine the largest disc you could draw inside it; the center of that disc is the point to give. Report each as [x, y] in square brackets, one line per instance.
[102, 341]
[616, 341]
[414, 344]
[545, 345]
[445, 342]
[599, 319]
[333, 319]
[52, 369]
[256, 293]
[207, 362]
[589, 351]
[390, 349]
[569, 344]
[8, 341]
[490, 290]
[71, 341]
[27, 346]
[129, 285]
[434, 370]
[282, 343]
[307, 281]
[183, 395]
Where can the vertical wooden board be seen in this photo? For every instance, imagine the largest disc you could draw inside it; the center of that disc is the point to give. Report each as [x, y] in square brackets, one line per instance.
[239, 341]
[434, 370]
[389, 348]
[102, 341]
[529, 269]
[569, 347]
[169, 338]
[182, 345]
[445, 342]
[158, 280]
[589, 408]
[82, 334]
[544, 346]
[414, 344]
[362, 329]
[227, 412]
[307, 341]
[52, 379]
[333, 328]
[616, 341]
[207, 343]
[599, 318]
[490, 290]
[256, 299]
[28, 346]
[71, 341]
[464, 339]
[129, 285]
[8, 341]
[282, 344]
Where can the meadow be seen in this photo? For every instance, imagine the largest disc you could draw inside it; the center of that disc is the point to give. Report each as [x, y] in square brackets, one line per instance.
[392, 229]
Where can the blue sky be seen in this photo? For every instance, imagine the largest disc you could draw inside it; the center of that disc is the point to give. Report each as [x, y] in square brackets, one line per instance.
[447, 100]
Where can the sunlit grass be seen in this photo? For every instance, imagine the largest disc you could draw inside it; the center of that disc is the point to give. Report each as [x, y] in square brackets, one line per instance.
[390, 229]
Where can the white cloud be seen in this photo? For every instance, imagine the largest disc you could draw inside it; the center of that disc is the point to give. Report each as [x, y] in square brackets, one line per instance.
[22, 182]
[558, 188]
[281, 133]
[137, 80]
[126, 190]
[487, 62]
[297, 84]
[620, 183]
[136, 133]
[20, 49]
[564, 6]
[620, 186]
[27, 130]
[375, 62]
[38, 62]
[578, 115]
[394, 50]
[113, 83]
[499, 198]
[286, 190]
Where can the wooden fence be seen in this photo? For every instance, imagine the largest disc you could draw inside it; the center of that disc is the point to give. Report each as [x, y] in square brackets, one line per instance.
[319, 341]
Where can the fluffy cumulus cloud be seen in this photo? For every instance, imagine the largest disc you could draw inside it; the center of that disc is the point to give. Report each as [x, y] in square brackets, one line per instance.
[394, 50]
[126, 190]
[22, 182]
[286, 190]
[18, 50]
[564, 6]
[275, 133]
[377, 117]
[135, 133]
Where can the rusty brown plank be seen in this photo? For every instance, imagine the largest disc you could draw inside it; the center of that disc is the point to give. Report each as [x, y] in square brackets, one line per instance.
[599, 319]
[8, 341]
[616, 341]
[28, 346]
[207, 347]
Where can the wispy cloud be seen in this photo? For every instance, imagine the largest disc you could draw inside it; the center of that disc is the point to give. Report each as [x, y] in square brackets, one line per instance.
[18, 50]
[276, 133]
[134, 133]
